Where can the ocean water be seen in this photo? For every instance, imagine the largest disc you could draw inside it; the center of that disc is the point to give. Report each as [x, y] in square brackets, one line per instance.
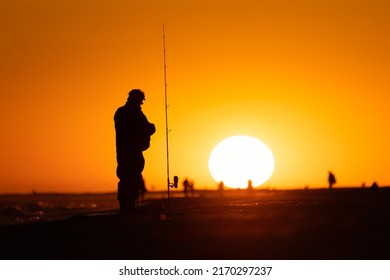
[31, 208]
[21, 209]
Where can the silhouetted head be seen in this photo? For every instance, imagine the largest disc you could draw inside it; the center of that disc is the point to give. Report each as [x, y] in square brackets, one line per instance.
[136, 96]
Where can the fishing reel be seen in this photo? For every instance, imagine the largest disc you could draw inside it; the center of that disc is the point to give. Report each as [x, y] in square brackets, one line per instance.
[175, 182]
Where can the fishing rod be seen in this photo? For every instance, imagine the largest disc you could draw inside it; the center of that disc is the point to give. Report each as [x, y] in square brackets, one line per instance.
[175, 178]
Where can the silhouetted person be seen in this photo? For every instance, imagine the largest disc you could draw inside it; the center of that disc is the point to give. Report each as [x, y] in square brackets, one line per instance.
[331, 181]
[250, 187]
[133, 132]
[186, 186]
[221, 188]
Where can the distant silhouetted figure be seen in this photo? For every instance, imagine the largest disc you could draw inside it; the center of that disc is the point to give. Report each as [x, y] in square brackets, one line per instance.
[250, 187]
[188, 186]
[133, 132]
[221, 188]
[331, 181]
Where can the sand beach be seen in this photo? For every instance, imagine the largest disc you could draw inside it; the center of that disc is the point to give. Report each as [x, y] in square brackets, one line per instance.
[301, 224]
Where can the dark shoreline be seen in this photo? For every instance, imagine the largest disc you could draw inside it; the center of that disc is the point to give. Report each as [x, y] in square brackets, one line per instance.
[350, 224]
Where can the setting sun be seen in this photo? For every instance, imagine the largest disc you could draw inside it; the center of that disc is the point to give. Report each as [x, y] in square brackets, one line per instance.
[238, 159]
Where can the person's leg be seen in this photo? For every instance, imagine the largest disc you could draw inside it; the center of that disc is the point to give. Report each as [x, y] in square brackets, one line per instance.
[124, 187]
[130, 180]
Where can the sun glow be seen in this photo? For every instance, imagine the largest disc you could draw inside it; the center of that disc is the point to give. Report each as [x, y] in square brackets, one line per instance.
[238, 159]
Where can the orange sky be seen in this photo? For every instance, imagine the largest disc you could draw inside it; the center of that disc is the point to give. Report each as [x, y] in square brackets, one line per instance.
[308, 78]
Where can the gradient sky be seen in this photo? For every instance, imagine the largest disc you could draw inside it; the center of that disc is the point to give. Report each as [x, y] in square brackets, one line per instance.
[308, 78]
